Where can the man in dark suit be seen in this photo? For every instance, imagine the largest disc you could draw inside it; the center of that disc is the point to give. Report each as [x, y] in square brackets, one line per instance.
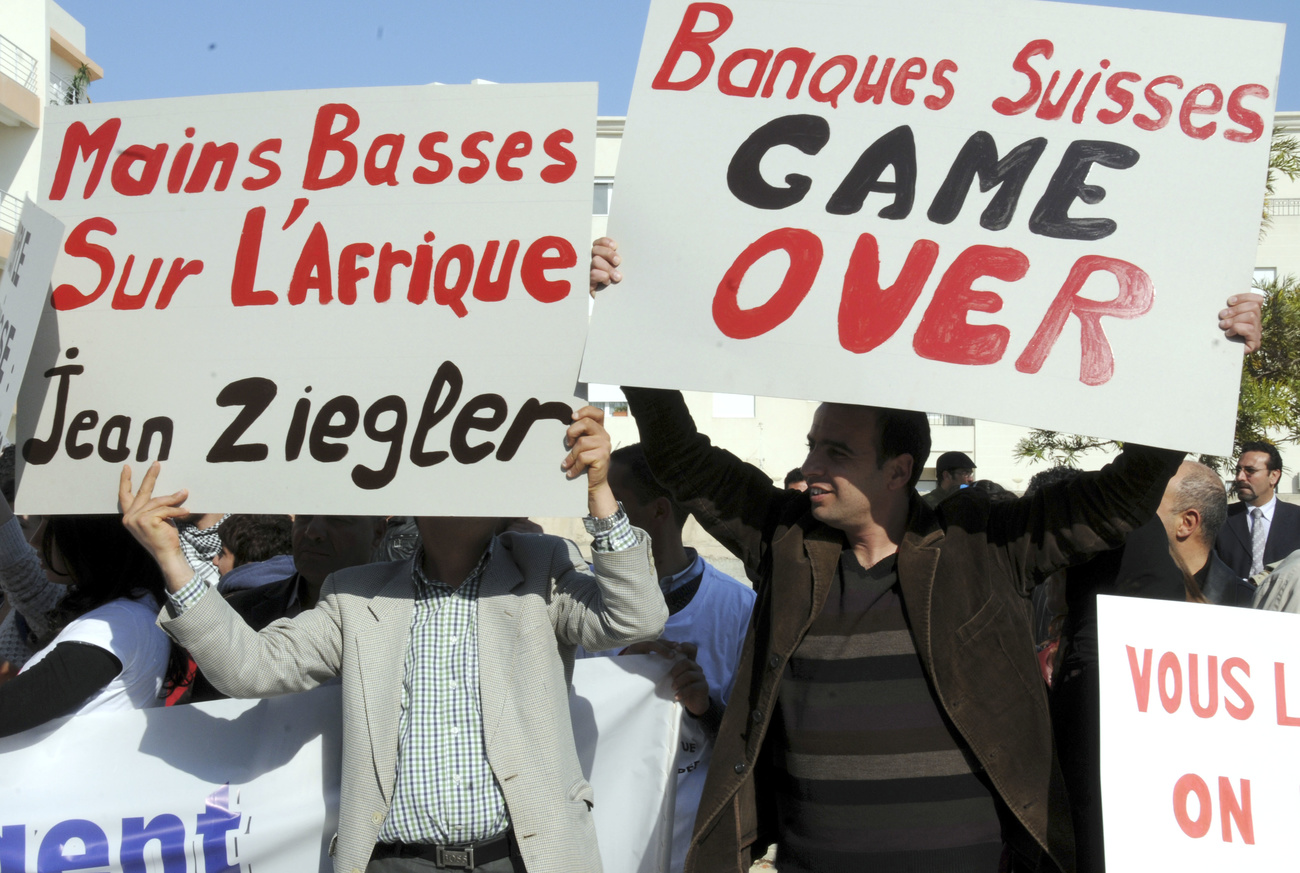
[1261, 529]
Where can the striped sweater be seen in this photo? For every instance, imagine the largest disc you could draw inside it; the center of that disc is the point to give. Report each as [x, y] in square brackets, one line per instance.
[871, 776]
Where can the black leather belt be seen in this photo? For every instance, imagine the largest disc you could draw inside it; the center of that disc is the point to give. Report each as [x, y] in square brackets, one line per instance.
[465, 857]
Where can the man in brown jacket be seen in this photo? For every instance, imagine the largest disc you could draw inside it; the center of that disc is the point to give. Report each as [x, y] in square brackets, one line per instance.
[887, 710]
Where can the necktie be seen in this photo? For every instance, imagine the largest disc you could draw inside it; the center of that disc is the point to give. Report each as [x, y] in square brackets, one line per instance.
[1256, 541]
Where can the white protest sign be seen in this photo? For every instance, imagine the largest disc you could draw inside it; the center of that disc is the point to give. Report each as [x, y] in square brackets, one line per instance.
[1017, 217]
[361, 301]
[1200, 716]
[253, 785]
[24, 286]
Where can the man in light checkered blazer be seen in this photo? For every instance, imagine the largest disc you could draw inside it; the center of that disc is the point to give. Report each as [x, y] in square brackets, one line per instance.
[457, 746]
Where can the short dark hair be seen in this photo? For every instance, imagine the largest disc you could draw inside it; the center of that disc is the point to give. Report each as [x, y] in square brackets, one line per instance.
[903, 432]
[997, 493]
[1050, 476]
[253, 538]
[1201, 489]
[645, 487]
[795, 475]
[1274, 456]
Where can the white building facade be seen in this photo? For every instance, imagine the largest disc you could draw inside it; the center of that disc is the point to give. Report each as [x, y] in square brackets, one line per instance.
[42, 50]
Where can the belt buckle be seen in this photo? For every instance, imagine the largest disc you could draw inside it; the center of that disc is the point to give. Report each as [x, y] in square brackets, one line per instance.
[455, 857]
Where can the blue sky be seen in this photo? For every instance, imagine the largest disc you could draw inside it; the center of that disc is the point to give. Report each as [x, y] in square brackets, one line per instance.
[171, 49]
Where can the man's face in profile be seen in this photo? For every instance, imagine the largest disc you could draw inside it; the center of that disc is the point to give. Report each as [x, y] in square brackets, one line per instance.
[957, 478]
[324, 544]
[1255, 482]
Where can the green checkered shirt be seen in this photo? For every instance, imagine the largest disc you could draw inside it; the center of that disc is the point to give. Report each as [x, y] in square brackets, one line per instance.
[445, 791]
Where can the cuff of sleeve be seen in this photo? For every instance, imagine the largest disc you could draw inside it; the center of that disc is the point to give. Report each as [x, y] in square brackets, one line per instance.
[612, 534]
[711, 720]
[189, 594]
[207, 572]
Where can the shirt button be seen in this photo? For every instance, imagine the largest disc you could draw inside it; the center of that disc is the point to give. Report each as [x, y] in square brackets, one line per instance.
[774, 661]
[757, 716]
[377, 817]
[740, 768]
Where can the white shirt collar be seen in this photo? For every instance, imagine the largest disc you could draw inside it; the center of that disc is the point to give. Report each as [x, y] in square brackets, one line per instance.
[1267, 508]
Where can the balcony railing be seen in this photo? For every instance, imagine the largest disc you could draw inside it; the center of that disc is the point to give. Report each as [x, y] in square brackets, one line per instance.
[18, 65]
[938, 419]
[64, 92]
[11, 212]
[1284, 206]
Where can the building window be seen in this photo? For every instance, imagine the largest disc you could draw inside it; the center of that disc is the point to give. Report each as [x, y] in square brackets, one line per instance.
[607, 397]
[938, 419]
[612, 408]
[733, 405]
[601, 196]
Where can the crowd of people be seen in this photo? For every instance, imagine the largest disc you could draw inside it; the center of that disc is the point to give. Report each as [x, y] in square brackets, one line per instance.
[902, 683]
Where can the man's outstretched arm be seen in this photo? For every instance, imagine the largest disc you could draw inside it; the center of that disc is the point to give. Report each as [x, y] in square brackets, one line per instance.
[735, 502]
[290, 655]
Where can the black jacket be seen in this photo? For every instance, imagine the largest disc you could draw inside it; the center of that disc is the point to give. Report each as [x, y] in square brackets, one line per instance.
[1233, 544]
[258, 607]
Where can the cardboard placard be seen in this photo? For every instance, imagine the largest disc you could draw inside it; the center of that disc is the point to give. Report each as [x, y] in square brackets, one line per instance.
[1022, 218]
[24, 288]
[1200, 714]
[364, 301]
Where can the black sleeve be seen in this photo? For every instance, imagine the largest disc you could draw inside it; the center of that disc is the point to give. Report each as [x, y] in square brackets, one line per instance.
[63, 680]
[710, 719]
[1067, 522]
[735, 502]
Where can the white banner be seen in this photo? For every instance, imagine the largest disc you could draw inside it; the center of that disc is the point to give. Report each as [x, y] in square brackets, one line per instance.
[240, 785]
[625, 725]
[1010, 212]
[23, 292]
[235, 785]
[360, 301]
[1200, 717]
